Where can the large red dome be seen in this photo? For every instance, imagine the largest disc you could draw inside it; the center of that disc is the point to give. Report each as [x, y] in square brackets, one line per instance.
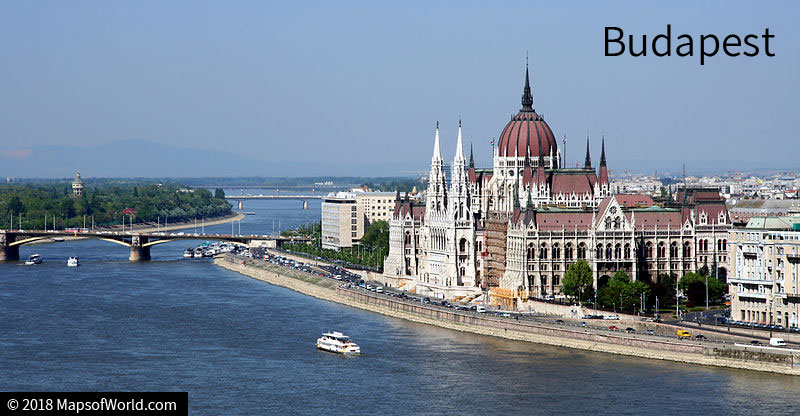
[527, 131]
[523, 136]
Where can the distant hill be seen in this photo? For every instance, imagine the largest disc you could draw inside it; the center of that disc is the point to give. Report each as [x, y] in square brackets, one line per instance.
[126, 158]
[142, 158]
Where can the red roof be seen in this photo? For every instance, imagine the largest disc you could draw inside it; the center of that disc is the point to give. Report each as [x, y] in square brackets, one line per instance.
[402, 208]
[634, 200]
[568, 183]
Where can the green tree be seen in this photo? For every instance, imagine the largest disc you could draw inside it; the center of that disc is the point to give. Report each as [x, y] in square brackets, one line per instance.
[135, 192]
[219, 193]
[15, 205]
[376, 235]
[578, 280]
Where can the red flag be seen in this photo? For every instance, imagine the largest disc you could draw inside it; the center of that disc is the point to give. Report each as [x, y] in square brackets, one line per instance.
[129, 211]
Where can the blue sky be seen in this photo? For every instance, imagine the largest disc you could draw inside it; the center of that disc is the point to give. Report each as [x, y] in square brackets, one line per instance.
[357, 87]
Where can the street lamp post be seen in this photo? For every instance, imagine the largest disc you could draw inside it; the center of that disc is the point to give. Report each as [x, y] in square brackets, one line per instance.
[771, 301]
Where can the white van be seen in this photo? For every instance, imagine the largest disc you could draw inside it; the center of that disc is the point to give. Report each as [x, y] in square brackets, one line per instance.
[379, 289]
[777, 342]
[480, 309]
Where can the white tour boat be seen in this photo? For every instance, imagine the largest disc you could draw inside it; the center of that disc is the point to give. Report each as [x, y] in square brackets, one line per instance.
[338, 342]
[34, 259]
[73, 261]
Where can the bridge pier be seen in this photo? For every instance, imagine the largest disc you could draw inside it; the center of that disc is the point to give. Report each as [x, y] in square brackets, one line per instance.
[138, 251]
[7, 251]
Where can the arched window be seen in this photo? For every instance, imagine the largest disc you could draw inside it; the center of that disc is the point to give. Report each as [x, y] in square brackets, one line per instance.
[556, 252]
[724, 245]
[568, 251]
[581, 251]
[627, 250]
[543, 251]
[408, 237]
[531, 252]
[617, 223]
[608, 251]
[662, 250]
[608, 223]
[599, 252]
[543, 284]
[648, 250]
[462, 245]
[618, 251]
[687, 249]
[673, 249]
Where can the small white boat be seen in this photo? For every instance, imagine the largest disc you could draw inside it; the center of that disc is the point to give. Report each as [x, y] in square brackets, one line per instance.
[198, 252]
[34, 259]
[188, 253]
[337, 342]
[73, 261]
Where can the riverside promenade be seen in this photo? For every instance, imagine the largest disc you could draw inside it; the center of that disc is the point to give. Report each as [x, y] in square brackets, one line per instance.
[731, 356]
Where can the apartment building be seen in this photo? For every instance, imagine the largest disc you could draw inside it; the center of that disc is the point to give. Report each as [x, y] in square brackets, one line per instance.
[765, 268]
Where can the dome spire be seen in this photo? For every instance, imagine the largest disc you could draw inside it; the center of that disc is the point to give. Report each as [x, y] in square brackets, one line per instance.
[527, 98]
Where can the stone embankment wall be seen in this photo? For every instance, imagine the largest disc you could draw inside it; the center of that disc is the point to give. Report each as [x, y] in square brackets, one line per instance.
[328, 289]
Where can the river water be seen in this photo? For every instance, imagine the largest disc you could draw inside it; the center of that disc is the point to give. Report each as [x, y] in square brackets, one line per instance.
[244, 347]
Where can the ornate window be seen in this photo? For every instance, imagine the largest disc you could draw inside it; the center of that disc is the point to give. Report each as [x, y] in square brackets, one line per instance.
[627, 250]
[673, 249]
[581, 251]
[599, 252]
[687, 249]
[617, 251]
[543, 251]
[568, 251]
[556, 254]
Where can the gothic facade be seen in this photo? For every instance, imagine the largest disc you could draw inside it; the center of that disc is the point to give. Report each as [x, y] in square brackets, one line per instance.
[514, 229]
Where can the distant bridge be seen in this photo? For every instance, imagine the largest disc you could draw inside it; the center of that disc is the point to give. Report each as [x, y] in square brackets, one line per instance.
[138, 242]
[248, 196]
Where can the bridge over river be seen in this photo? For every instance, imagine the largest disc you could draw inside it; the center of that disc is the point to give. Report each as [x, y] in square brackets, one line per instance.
[138, 242]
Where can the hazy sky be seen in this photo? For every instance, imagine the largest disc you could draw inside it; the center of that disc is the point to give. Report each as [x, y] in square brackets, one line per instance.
[355, 84]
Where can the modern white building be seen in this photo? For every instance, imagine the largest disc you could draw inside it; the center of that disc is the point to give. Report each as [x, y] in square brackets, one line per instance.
[346, 215]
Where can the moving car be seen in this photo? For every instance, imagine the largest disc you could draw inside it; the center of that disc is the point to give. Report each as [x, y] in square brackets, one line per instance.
[777, 342]
[684, 334]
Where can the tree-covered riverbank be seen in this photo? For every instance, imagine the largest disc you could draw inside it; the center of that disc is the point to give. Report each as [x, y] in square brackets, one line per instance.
[30, 205]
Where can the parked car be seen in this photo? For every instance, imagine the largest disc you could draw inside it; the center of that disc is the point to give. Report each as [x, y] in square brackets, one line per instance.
[700, 337]
[583, 324]
[613, 328]
[649, 332]
[755, 342]
[560, 321]
[630, 330]
[480, 309]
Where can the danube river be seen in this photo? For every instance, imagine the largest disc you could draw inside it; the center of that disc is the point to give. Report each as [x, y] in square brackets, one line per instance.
[243, 347]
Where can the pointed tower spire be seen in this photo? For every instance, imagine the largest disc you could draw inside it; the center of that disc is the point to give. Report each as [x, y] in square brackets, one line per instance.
[527, 98]
[459, 144]
[588, 163]
[603, 175]
[603, 152]
[437, 151]
[471, 157]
